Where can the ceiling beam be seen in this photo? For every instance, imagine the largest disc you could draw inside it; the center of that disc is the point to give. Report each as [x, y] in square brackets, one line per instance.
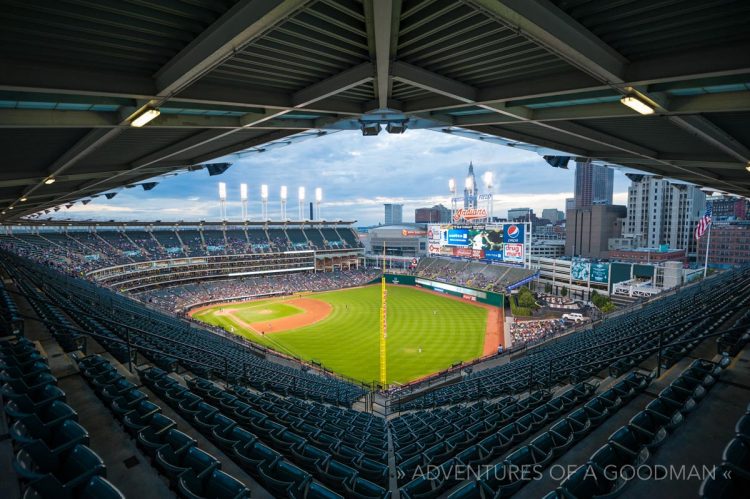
[702, 128]
[427, 80]
[550, 27]
[350, 78]
[384, 20]
[231, 33]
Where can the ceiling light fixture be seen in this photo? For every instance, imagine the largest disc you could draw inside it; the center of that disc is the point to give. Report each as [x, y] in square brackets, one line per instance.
[146, 116]
[637, 105]
[49, 181]
[23, 199]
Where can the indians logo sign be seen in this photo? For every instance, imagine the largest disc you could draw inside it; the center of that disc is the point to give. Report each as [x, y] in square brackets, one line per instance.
[469, 214]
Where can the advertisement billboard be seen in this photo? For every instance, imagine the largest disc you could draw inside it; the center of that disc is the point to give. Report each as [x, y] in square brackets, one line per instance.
[513, 252]
[600, 272]
[494, 255]
[457, 237]
[580, 269]
[514, 233]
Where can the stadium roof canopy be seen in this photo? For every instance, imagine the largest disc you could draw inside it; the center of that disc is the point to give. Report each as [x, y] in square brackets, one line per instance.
[231, 75]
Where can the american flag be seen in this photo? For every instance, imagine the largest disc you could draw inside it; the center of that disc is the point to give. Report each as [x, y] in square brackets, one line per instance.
[703, 223]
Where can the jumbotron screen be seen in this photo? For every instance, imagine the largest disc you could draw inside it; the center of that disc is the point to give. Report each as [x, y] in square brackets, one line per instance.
[500, 242]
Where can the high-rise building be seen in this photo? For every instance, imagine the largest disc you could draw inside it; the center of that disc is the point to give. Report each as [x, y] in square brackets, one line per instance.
[393, 214]
[730, 208]
[663, 213]
[553, 215]
[730, 244]
[588, 230]
[470, 189]
[570, 204]
[437, 214]
[593, 184]
[516, 213]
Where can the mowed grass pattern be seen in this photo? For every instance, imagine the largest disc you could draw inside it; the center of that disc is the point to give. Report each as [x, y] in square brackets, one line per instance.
[447, 331]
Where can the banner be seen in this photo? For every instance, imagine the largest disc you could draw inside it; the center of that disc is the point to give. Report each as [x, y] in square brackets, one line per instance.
[514, 233]
[600, 272]
[580, 269]
[457, 237]
[513, 252]
[494, 255]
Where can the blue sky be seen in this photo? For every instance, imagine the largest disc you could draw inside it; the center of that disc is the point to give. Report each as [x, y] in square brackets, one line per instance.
[357, 174]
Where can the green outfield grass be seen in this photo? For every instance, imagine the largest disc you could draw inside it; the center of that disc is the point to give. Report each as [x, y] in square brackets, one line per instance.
[447, 331]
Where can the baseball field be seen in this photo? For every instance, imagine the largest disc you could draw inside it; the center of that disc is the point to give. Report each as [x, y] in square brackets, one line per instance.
[427, 331]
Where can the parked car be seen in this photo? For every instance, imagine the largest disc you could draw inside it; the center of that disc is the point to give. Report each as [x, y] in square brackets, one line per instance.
[575, 317]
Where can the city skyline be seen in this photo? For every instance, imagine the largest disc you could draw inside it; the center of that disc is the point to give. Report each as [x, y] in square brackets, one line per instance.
[354, 173]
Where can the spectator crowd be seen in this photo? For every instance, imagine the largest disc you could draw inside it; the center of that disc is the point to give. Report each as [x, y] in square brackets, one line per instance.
[533, 331]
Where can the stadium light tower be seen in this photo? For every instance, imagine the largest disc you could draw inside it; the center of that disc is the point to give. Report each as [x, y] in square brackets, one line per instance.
[283, 195]
[489, 183]
[318, 199]
[264, 202]
[301, 198]
[243, 199]
[222, 201]
[452, 187]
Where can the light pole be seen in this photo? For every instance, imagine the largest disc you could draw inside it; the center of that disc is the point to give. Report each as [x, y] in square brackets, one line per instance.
[301, 197]
[318, 199]
[283, 194]
[488, 182]
[264, 202]
[452, 187]
[222, 201]
[243, 199]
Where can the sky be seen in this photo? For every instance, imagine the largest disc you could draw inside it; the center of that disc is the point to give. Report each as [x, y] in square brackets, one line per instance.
[357, 174]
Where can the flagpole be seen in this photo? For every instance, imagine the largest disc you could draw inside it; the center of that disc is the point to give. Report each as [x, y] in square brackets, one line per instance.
[708, 243]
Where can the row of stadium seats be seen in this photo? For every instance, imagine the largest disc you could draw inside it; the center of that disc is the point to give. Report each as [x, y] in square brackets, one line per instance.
[267, 449]
[85, 251]
[632, 445]
[498, 481]
[686, 315]
[732, 477]
[478, 275]
[165, 340]
[52, 459]
[193, 472]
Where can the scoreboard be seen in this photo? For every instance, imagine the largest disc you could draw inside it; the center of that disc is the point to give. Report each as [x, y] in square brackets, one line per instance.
[504, 242]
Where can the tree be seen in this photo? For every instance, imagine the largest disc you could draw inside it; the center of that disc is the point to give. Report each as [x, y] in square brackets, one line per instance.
[564, 292]
[548, 288]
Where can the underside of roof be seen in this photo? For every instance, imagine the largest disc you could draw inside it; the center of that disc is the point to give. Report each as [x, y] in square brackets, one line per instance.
[229, 75]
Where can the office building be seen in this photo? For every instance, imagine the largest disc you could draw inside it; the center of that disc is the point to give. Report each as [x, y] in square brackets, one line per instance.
[663, 213]
[588, 230]
[515, 214]
[437, 214]
[553, 215]
[730, 244]
[730, 208]
[393, 213]
[593, 184]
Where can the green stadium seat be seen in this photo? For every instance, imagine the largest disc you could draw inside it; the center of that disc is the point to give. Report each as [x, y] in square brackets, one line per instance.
[253, 455]
[213, 485]
[282, 478]
[155, 435]
[20, 405]
[140, 417]
[56, 473]
[174, 463]
[652, 428]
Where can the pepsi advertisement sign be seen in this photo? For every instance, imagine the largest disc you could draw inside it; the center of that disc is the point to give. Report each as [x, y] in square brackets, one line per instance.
[513, 233]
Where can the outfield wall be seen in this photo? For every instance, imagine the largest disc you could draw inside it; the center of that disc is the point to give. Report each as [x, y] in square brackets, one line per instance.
[488, 297]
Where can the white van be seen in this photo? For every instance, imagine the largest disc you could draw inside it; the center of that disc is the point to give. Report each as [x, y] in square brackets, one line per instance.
[575, 317]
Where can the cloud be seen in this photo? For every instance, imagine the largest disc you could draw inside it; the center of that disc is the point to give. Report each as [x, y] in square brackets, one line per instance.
[357, 174]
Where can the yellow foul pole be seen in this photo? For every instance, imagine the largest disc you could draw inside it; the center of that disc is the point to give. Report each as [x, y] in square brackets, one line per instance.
[383, 325]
